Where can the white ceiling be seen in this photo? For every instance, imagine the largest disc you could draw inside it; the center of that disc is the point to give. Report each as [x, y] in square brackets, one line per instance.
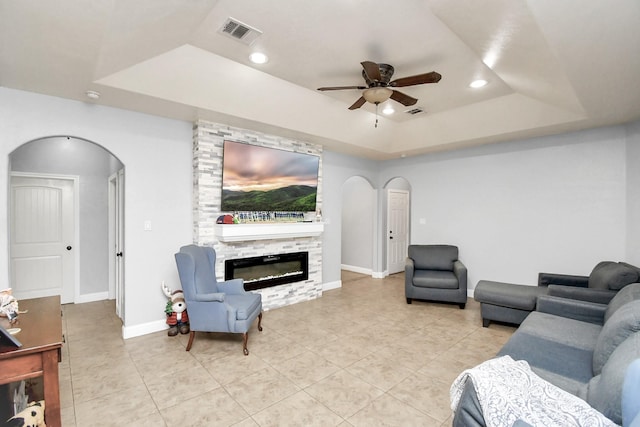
[552, 66]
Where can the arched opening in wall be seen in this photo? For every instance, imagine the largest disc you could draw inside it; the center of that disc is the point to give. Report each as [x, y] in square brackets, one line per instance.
[66, 221]
[358, 225]
[397, 219]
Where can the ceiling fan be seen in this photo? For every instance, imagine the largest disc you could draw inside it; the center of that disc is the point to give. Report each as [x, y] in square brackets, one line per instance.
[379, 87]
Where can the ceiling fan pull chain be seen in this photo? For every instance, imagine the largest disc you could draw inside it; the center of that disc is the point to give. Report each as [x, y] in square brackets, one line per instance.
[376, 125]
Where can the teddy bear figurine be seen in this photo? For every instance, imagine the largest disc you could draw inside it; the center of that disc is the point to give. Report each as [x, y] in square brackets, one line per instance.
[176, 311]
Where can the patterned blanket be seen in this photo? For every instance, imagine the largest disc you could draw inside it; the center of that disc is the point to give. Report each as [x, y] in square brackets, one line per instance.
[509, 391]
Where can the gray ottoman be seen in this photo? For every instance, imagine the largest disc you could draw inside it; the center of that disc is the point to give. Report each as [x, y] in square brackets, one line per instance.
[506, 302]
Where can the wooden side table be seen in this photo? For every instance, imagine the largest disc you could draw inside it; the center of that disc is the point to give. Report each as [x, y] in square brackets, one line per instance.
[41, 338]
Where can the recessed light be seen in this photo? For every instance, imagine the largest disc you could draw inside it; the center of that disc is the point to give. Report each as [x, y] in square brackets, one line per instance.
[258, 58]
[477, 83]
[388, 110]
[92, 94]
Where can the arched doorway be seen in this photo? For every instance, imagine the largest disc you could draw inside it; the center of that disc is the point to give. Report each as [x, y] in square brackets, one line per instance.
[40, 166]
[358, 225]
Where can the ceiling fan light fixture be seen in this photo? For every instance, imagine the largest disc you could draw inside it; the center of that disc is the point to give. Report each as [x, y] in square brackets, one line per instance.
[377, 95]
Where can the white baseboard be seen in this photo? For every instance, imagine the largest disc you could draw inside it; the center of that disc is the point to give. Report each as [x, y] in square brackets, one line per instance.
[98, 296]
[367, 271]
[143, 329]
[355, 269]
[331, 285]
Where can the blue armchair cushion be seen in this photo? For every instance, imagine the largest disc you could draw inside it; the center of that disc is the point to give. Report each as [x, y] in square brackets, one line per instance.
[624, 322]
[612, 275]
[244, 304]
[433, 257]
[435, 279]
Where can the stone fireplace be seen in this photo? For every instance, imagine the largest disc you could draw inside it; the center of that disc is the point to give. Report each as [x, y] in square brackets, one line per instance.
[253, 241]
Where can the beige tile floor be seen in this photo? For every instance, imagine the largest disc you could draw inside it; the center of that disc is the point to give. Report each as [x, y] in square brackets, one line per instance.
[358, 356]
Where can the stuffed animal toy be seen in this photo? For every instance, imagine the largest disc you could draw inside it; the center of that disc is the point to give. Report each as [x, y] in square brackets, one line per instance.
[8, 304]
[31, 416]
[176, 310]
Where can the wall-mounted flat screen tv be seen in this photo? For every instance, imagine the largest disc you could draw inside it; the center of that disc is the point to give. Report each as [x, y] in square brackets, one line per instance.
[258, 178]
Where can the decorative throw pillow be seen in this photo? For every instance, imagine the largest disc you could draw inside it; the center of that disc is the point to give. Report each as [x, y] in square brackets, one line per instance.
[623, 323]
[611, 275]
[604, 391]
[627, 294]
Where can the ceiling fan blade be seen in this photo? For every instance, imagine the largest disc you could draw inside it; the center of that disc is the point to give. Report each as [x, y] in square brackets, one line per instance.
[403, 99]
[418, 79]
[359, 103]
[341, 87]
[372, 70]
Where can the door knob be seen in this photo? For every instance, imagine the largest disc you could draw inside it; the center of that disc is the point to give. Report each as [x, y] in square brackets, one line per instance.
[68, 248]
[119, 254]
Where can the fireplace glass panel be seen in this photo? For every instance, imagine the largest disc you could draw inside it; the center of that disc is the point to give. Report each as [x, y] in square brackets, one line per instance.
[270, 270]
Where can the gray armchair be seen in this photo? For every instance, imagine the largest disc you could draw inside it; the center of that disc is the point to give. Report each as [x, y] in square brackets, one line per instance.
[434, 272]
[215, 306]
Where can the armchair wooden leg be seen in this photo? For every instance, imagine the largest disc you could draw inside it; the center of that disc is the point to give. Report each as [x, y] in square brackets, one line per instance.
[260, 322]
[245, 338]
[192, 335]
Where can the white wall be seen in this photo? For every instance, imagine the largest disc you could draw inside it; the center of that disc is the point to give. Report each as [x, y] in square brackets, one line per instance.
[358, 214]
[336, 169]
[93, 165]
[157, 156]
[633, 193]
[515, 209]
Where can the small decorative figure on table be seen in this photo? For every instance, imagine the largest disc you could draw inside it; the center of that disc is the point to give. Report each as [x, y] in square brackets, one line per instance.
[176, 310]
[8, 305]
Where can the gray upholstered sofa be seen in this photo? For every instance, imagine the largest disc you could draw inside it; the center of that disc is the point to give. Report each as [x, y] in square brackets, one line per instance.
[581, 347]
[512, 303]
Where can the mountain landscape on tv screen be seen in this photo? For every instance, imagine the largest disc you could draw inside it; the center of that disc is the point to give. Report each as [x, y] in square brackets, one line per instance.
[294, 198]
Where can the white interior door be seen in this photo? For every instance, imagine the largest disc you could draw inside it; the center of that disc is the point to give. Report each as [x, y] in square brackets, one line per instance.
[43, 252]
[116, 241]
[397, 230]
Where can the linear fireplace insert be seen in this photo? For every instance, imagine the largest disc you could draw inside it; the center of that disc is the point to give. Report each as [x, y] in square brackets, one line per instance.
[268, 270]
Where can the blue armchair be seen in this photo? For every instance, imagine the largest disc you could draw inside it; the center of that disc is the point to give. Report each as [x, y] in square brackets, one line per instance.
[215, 306]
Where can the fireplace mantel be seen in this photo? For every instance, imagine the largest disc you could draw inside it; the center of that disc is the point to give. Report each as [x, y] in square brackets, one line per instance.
[266, 231]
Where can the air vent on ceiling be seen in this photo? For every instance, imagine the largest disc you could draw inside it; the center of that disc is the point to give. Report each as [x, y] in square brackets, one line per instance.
[240, 31]
[415, 111]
